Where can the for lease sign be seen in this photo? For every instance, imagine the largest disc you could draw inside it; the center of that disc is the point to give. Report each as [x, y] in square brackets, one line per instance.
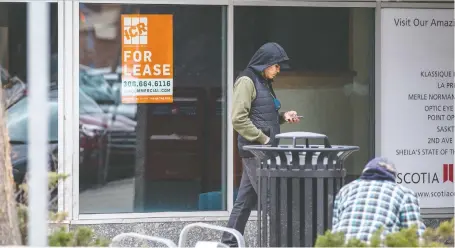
[147, 58]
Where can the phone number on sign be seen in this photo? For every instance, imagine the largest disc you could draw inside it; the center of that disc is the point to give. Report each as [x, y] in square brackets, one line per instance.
[146, 83]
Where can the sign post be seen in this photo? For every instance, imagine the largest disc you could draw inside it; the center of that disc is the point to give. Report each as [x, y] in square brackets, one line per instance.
[147, 58]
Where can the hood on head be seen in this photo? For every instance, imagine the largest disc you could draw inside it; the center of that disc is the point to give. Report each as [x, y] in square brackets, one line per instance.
[381, 162]
[380, 168]
[267, 55]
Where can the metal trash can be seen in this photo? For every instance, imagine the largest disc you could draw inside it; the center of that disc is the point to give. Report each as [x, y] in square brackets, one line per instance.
[301, 182]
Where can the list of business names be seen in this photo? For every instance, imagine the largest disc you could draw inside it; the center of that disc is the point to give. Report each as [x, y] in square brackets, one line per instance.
[437, 110]
[417, 99]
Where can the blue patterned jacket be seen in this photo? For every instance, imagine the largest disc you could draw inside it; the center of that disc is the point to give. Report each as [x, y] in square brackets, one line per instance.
[363, 206]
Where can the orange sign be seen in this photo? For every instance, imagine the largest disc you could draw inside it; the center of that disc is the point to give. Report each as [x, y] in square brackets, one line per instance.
[147, 58]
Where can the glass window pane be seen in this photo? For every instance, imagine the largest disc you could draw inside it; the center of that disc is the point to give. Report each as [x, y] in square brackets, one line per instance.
[14, 79]
[331, 76]
[152, 157]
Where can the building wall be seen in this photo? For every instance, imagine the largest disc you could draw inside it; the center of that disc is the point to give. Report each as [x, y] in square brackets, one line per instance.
[171, 230]
[338, 100]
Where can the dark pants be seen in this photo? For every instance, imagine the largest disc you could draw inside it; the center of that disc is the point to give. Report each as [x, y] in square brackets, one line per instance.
[245, 202]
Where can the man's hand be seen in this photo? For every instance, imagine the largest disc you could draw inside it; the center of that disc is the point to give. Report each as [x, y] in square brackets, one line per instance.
[291, 117]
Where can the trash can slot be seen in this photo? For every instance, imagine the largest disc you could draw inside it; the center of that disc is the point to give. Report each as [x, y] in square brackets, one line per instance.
[284, 159]
[273, 162]
[274, 209]
[308, 213]
[308, 161]
[312, 160]
[296, 210]
[295, 160]
[320, 206]
[285, 230]
[322, 160]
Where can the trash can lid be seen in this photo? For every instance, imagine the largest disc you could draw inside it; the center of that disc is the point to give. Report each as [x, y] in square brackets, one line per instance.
[291, 135]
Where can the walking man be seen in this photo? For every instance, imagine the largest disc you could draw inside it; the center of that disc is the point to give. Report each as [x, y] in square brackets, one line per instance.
[256, 118]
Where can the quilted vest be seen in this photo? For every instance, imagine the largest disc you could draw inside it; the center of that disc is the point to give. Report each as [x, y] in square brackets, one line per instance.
[263, 113]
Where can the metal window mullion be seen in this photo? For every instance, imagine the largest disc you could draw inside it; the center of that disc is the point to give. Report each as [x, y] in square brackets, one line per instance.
[224, 120]
[377, 82]
[230, 79]
[74, 79]
[61, 104]
[67, 61]
[38, 122]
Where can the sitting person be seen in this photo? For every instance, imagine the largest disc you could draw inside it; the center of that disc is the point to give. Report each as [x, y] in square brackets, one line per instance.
[373, 201]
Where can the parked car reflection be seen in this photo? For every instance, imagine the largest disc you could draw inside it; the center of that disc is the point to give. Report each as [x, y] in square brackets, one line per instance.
[95, 86]
[101, 136]
[17, 124]
[118, 134]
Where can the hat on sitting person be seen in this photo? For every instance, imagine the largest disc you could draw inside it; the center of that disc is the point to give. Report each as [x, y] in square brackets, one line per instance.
[380, 168]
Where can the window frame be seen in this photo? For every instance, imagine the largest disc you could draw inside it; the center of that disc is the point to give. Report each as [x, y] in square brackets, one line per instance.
[68, 68]
[71, 119]
[71, 65]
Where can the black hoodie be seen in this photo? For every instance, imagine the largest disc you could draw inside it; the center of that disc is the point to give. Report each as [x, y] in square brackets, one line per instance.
[267, 55]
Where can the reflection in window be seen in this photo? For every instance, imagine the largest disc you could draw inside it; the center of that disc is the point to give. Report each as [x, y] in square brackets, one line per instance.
[151, 157]
[14, 81]
[17, 122]
[87, 105]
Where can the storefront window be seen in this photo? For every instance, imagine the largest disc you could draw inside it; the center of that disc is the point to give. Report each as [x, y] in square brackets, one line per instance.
[152, 157]
[331, 77]
[14, 79]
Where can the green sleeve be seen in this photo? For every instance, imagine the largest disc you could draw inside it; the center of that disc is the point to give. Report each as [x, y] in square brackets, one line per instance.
[282, 120]
[244, 94]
